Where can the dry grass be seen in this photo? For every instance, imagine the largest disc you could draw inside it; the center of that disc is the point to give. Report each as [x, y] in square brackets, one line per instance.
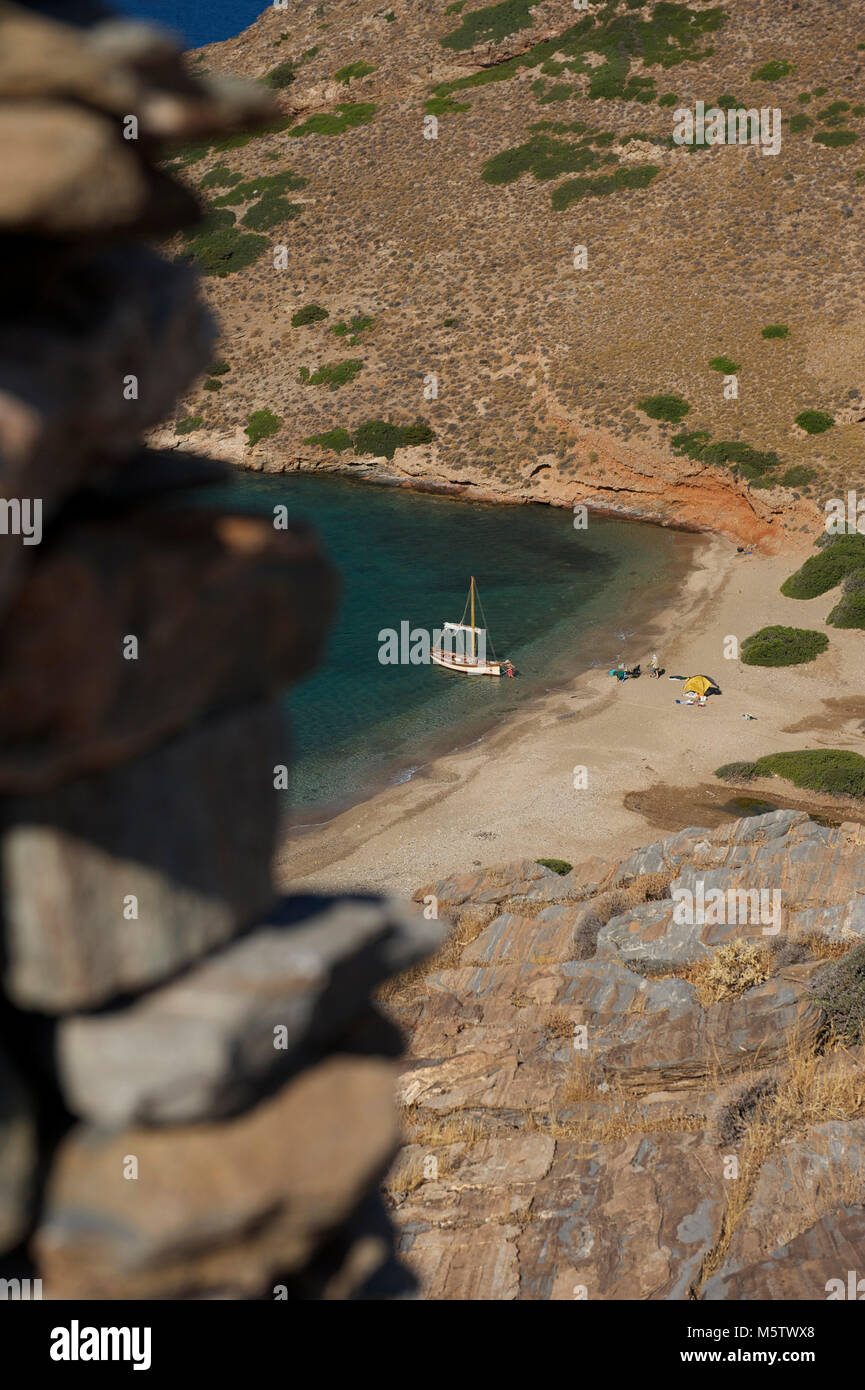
[809, 1092]
[826, 948]
[403, 988]
[729, 972]
[620, 1122]
[560, 1024]
[583, 1082]
[434, 1131]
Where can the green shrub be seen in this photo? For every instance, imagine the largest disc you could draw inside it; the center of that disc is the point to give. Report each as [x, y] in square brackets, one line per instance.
[218, 368]
[217, 247]
[783, 646]
[310, 313]
[346, 116]
[574, 190]
[669, 36]
[270, 211]
[381, 438]
[838, 557]
[849, 612]
[558, 866]
[668, 99]
[192, 422]
[835, 139]
[418, 433]
[775, 330]
[559, 91]
[244, 192]
[832, 770]
[335, 374]
[378, 437]
[670, 408]
[281, 76]
[351, 70]
[748, 462]
[542, 156]
[724, 364]
[338, 440]
[799, 123]
[814, 421]
[220, 176]
[261, 424]
[840, 989]
[211, 384]
[772, 71]
[358, 324]
[492, 24]
[445, 106]
[797, 476]
[831, 114]
[737, 772]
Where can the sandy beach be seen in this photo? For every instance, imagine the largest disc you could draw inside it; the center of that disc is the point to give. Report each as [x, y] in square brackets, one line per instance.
[649, 762]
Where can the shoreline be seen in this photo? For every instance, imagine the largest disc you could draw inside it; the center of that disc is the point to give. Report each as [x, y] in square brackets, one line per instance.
[407, 764]
[512, 796]
[705, 501]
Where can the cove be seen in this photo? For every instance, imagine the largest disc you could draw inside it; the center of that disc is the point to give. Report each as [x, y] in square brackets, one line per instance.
[558, 600]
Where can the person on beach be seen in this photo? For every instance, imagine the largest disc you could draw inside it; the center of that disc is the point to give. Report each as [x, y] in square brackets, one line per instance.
[653, 665]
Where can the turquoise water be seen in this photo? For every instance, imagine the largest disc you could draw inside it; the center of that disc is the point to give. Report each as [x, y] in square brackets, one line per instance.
[557, 600]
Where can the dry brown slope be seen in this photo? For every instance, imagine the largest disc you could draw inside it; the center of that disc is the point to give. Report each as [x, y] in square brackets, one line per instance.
[539, 376]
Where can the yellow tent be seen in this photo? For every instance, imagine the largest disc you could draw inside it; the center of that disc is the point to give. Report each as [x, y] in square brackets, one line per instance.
[699, 685]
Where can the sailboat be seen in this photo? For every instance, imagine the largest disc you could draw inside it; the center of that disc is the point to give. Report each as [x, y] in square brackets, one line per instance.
[466, 651]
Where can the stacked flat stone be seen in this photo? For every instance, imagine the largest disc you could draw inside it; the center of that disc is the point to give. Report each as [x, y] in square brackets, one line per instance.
[196, 1091]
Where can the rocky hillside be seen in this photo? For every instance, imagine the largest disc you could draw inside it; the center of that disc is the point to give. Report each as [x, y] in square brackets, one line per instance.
[604, 1100]
[446, 279]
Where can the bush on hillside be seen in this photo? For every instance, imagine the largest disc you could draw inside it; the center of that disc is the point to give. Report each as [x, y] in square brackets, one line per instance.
[558, 866]
[736, 772]
[310, 313]
[840, 989]
[670, 408]
[833, 770]
[783, 646]
[850, 611]
[261, 424]
[838, 556]
[814, 421]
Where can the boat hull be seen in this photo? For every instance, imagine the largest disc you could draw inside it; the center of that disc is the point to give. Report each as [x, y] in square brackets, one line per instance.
[465, 667]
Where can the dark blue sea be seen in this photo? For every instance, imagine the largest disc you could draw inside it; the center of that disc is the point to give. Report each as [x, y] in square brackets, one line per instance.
[197, 21]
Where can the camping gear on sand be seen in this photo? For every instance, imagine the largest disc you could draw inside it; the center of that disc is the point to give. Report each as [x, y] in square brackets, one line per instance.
[700, 685]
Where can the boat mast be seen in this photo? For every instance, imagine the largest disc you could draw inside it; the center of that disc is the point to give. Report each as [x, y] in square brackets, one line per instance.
[473, 616]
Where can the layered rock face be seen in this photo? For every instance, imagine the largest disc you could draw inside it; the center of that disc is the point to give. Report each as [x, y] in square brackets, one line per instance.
[642, 1079]
[195, 1087]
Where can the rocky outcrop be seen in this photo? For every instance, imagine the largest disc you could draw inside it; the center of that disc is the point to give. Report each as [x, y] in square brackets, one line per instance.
[609, 1098]
[195, 1083]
